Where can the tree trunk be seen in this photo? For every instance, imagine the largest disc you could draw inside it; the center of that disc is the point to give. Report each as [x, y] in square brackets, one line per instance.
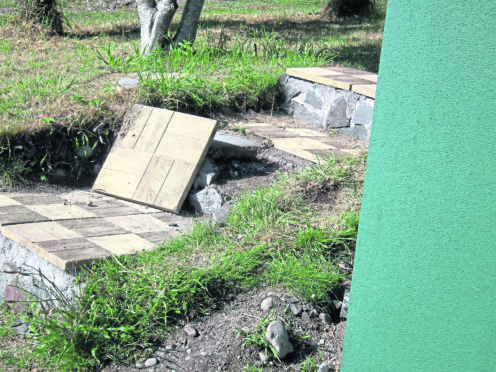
[156, 17]
[189, 21]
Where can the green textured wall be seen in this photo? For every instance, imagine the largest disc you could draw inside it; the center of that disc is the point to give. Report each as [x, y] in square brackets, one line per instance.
[423, 295]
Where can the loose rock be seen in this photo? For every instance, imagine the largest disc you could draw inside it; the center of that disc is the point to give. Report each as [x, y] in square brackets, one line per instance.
[296, 309]
[206, 175]
[206, 201]
[191, 331]
[279, 339]
[326, 319]
[344, 308]
[150, 362]
[324, 367]
[267, 304]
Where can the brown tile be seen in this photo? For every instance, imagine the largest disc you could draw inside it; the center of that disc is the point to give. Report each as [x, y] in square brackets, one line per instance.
[35, 199]
[75, 252]
[110, 208]
[157, 237]
[90, 227]
[18, 214]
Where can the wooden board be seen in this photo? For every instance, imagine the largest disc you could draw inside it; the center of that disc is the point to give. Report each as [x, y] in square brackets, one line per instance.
[156, 157]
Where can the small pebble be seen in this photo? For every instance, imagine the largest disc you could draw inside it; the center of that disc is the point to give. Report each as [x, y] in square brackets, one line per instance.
[324, 367]
[305, 317]
[191, 331]
[188, 351]
[326, 319]
[267, 304]
[295, 309]
[264, 357]
[150, 362]
[321, 341]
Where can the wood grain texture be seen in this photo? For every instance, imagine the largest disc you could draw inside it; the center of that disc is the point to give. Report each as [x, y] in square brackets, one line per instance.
[156, 157]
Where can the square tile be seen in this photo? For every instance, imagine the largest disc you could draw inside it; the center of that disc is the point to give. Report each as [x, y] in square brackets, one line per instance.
[35, 199]
[38, 232]
[139, 223]
[75, 252]
[16, 214]
[123, 244]
[61, 211]
[5, 201]
[90, 227]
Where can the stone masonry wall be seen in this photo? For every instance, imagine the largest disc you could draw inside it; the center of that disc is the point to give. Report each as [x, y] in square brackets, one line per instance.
[348, 113]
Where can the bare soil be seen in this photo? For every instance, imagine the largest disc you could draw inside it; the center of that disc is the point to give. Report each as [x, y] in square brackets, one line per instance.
[219, 345]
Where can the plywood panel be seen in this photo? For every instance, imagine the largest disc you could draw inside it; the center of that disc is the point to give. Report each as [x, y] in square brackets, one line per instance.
[156, 157]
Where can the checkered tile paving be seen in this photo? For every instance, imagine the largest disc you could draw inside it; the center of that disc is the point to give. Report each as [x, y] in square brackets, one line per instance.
[305, 143]
[81, 227]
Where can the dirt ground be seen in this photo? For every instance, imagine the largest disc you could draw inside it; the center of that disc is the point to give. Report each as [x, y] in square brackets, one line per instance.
[220, 344]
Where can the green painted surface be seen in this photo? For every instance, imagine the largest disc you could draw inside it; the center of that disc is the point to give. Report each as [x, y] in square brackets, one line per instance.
[423, 295]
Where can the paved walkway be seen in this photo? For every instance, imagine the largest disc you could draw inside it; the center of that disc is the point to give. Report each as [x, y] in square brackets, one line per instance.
[74, 229]
[79, 227]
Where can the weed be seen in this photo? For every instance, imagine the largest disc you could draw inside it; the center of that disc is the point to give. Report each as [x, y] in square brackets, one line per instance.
[255, 336]
[13, 172]
[240, 129]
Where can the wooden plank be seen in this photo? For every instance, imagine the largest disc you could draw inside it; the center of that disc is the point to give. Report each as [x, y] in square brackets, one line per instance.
[122, 172]
[176, 186]
[139, 223]
[123, 244]
[19, 214]
[176, 147]
[134, 122]
[154, 130]
[191, 126]
[33, 199]
[153, 179]
[117, 183]
[365, 89]
[91, 227]
[75, 252]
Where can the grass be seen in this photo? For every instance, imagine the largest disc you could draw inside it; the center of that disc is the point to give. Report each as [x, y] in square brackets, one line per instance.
[40, 75]
[241, 49]
[273, 237]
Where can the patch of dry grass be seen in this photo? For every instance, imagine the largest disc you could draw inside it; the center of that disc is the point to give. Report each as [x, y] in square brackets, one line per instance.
[44, 78]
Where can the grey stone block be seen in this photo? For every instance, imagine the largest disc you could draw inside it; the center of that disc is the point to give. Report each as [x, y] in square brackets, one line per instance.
[228, 145]
[360, 132]
[314, 100]
[363, 114]
[337, 116]
[307, 114]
